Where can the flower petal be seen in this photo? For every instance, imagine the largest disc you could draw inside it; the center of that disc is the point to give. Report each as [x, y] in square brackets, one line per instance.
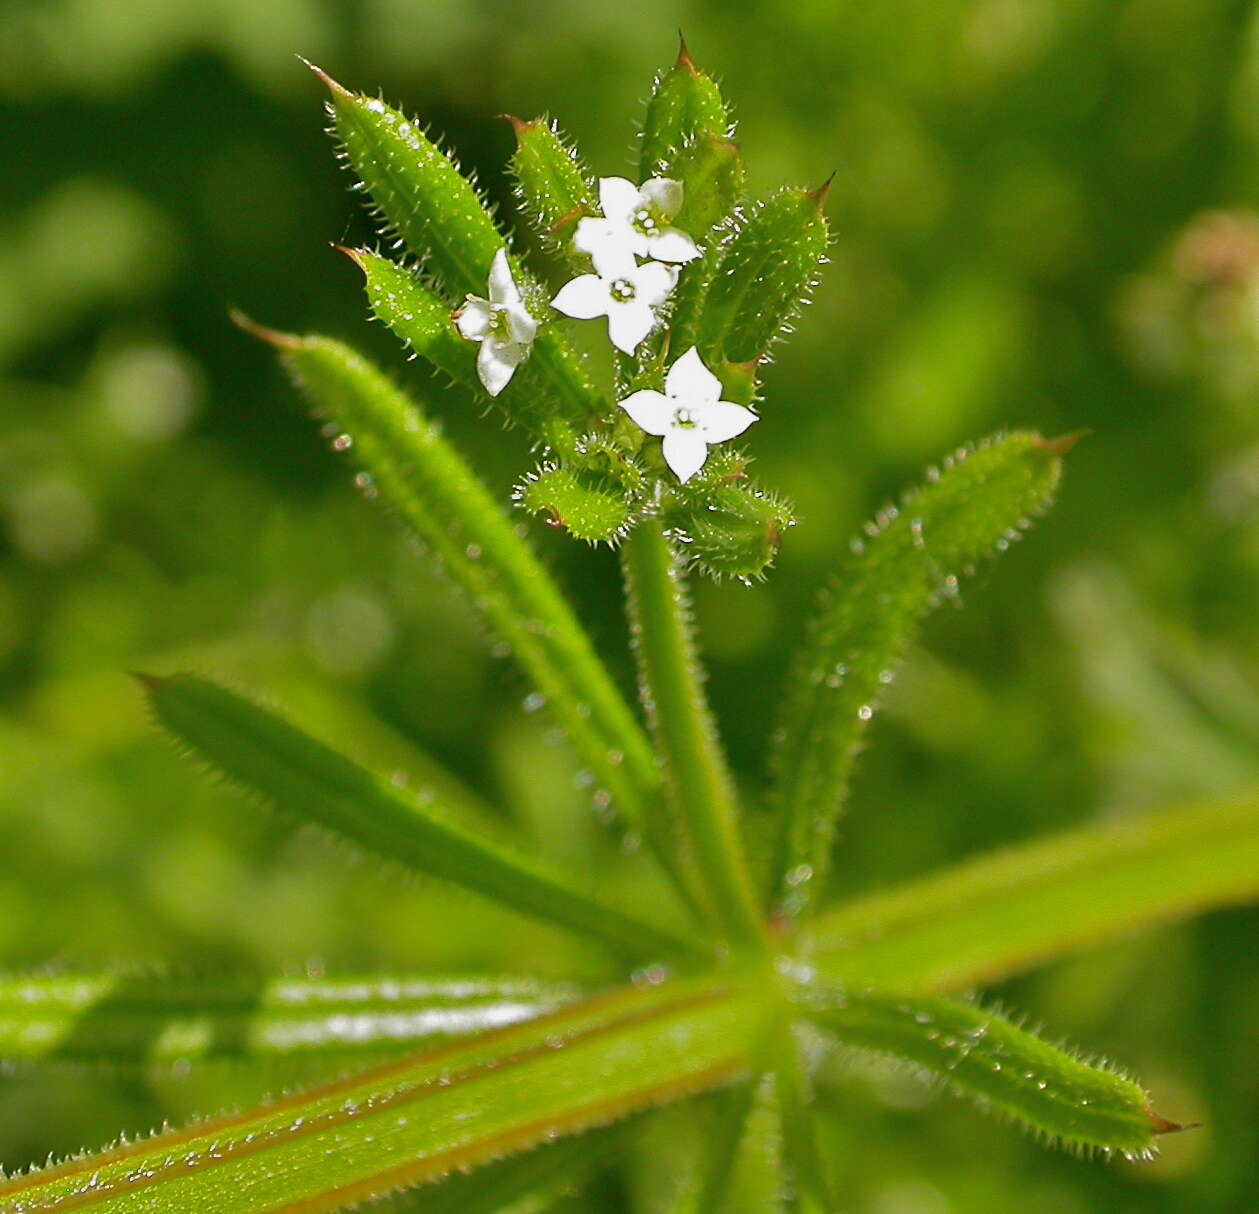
[520, 324]
[592, 235]
[653, 283]
[474, 319]
[663, 195]
[503, 289]
[685, 452]
[583, 297]
[691, 382]
[722, 420]
[672, 244]
[650, 411]
[629, 323]
[618, 198]
[497, 362]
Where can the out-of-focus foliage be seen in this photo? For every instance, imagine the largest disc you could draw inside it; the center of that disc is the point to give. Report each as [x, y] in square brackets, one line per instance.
[1045, 215]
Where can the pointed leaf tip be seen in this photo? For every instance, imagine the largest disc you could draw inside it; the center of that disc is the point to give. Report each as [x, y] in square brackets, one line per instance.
[1161, 1125]
[355, 255]
[149, 682]
[273, 337]
[337, 90]
[1062, 444]
[518, 125]
[685, 62]
[819, 195]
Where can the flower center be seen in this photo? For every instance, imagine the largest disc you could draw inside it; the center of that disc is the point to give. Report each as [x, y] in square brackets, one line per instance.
[500, 326]
[684, 419]
[623, 290]
[645, 222]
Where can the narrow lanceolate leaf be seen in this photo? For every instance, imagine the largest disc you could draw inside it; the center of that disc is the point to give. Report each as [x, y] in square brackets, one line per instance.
[417, 473]
[1024, 906]
[135, 1019]
[684, 104]
[700, 787]
[530, 1183]
[763, 276]
[421, 318]
[909, 559]
[554, 186]
[439, 217]
[712, 172]
[418, 190]
[267, 755]
[980, 1054]
[407, 1123]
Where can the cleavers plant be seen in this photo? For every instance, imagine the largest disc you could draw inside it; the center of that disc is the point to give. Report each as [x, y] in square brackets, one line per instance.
[508, 1093]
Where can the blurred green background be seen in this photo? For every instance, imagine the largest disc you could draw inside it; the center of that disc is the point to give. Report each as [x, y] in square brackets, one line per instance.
[1044, 215]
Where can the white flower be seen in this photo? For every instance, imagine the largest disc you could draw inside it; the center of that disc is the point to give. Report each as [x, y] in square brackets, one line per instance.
[636, 221]
[626, 293]
[688, 413]
[501, 324]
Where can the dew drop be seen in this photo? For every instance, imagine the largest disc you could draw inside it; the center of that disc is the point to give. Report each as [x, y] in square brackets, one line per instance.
[865, 712]
[534, 701]
[342, 442]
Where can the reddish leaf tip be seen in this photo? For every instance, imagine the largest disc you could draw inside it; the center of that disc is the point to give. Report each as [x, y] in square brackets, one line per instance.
[518, 125]
[819, 195]
[337, 90]
[1160, 1125]
[1062, 444]
[150, 682]
[355, 255]
[685, 62]
[273, 337]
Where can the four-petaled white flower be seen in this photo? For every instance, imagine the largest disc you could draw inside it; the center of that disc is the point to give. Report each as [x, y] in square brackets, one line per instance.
[689, 414]
[636, 222]
[626, 293]
[501, 324]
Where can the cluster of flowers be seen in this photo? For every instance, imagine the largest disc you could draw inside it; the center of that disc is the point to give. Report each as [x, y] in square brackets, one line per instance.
[637, 255]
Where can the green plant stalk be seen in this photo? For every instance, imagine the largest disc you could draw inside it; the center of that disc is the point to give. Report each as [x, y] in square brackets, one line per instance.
[700, 787]
[1023, 906]
[416, 1121]
[265, 754]
[141, 1019]
[418, 474]
[804, 1181]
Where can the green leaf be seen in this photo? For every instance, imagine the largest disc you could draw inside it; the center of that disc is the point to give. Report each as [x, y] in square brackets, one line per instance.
[1024, 906]
[265, 754]
[553, 184]
[150, 1018]
[712, 172]
[1052, 1093]
[530, 1183]
[760, 277]
[684, 104]
[403, 1124]
[730, 530]
[418, 190]
[909, 559]
[419, 475]
[588, 506]
[414, 312]
[438, 215]
[700, 788]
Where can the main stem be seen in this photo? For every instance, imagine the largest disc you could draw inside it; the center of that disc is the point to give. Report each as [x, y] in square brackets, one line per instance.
[698, 782]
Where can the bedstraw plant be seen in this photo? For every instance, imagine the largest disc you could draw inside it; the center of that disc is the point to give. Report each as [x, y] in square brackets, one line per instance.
[508, 1093]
